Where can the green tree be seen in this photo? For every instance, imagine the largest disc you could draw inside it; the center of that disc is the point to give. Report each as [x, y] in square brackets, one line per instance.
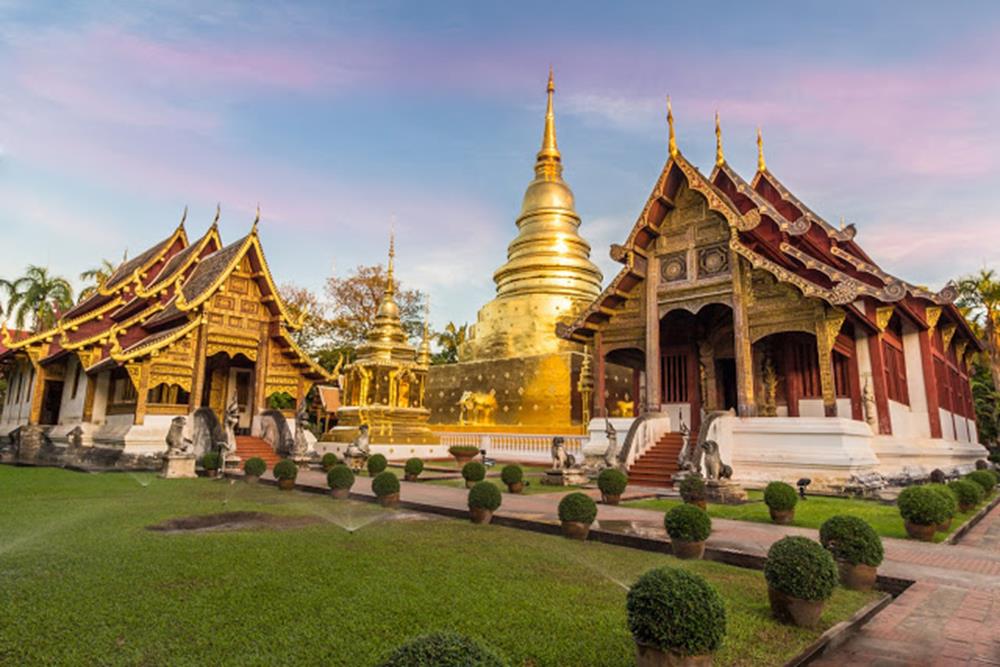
[38, 297]
[353, 303]
[95, 277]
[450, 340]
[979, 297]
[987, 402]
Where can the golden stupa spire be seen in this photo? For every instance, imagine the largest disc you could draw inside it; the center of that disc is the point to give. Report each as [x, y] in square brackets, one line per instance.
[390, 288]
[548, 163]
[670, 124]
[720, 158]
[761, 165]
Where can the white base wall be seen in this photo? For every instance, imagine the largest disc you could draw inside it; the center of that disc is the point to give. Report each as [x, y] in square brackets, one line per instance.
[394, 452]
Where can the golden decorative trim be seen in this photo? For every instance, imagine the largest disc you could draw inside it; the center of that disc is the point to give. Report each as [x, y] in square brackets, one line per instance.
[960, 349]
[947, 332]
[932, 314]
[882, 316]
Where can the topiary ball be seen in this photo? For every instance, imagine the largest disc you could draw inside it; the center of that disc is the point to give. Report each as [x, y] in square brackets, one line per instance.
[612, 482]
[329, 460]
[922, 506]
[780, 496]
[692, 488]
[211, 461]
[852, 540]
[414, 466]
[484, 495]
[340, 477]
[285, 469]
[578, 507]
[463, 450]
[677, 611]
[443, 649]
[254, 467]
[474, 471]
[801, 568]
[687, 523]
[385, 484]
[983, 478]
[968, 492]
[511, 474]
[949, 498]
[376, 464]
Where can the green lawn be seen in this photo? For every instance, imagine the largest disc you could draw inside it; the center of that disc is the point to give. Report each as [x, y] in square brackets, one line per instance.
[811, 513]
[83, 582]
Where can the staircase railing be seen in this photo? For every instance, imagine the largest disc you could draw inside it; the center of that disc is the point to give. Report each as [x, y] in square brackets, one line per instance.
[644, 432]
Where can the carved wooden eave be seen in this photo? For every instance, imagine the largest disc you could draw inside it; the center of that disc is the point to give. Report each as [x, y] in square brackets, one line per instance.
[179, 265]
[134, 271]
[808, 216]
[302, 360]
[151, 344]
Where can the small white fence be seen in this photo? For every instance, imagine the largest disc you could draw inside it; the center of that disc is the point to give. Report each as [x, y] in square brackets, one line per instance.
[517, 446]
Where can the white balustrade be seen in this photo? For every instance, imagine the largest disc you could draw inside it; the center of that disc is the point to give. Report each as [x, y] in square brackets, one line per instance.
[520, 446]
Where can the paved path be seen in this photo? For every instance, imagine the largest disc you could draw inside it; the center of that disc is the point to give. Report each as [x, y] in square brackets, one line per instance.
[950, 616]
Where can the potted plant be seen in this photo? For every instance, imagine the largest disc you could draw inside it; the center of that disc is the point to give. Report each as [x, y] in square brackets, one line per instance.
[781, 499]
[801, 576]
[513, 477]
[211, 462]
[285, 471]
[473, 472]
[340, 479]
[376, 464]
[412, 469]
[676, 618]
[612, 483]
[688, 526]
[443, 648]
[922, 510]
[692, 490]
[985, 479]
[952, 502]
[484, 499]
[968, 493]
[253, 468]
[463, 453]
[577, 511]
[328, 461]
[386, 489]
[856, 548]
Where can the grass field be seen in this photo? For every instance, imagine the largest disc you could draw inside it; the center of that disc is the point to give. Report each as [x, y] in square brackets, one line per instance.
[811, 513]
[84, 583]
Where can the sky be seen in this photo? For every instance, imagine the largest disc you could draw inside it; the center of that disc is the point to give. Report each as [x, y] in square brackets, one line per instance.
[340, 117]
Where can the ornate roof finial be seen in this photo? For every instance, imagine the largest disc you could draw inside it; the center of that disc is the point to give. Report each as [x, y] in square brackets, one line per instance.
[672, 145]
[184, 217]
[256, 219]
[843, 223]
[761, 165]
[218, 212]
[548, 163]
[720, 158]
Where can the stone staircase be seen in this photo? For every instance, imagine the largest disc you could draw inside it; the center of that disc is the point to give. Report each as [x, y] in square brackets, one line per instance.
[248, 447]
[657, 465]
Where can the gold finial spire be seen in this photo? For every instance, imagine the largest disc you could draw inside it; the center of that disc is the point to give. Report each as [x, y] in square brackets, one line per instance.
[720, 158]
[390, 288]
[670, 125]
[218, 212]
[548, 162]
[761, 165]
[256, 218]
[184, 217]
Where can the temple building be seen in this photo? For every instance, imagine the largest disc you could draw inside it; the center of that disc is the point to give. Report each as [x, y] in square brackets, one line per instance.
[182, 329]
[514, 373]
[734, 295]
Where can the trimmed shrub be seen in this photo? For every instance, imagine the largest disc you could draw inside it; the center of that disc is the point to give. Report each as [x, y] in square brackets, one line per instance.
[780, 496]
[414, 466]
[852, 540]
[967, 492]
[463, 450]
[983, 478]
[484, 495]
[474, 471]
[949, 497]
[285, 469]
[329, 460]
[511, 474]
[376, 464]
[692, 488]
[923, 506]
[938, 476]
[340, 477]
[801, 568]
[255, 466]
[676, 610]
[578, 507]
[443, 649]
[612, 482]
[687, 523]
[994, 457]
[211, 461]
[385, 484]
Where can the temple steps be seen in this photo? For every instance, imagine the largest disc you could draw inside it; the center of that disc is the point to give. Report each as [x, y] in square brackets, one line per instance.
[657, 465]
[248, 447]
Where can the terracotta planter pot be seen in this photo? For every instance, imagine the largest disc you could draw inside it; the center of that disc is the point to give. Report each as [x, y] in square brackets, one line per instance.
[462, 460]
[575, 530]
[697, 503]
[608, 499]
[469, 483]
[251, 479]
[803, 613]
[340, 494]
[966, 508]
[286, 484]
[391, 500]
[858, 577]
[211, 473]
[919, 532]
[480, 515]
[650, 656]
[782, 517]
[687, 550]
[326, 468]
[944, 526]
[516, 487]
[410, 478]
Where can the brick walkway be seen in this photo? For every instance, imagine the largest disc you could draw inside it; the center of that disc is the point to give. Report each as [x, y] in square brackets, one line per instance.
[950, 616]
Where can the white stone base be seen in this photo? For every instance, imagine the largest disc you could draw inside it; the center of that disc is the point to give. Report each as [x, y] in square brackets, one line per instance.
[394, 452]
[178, 467]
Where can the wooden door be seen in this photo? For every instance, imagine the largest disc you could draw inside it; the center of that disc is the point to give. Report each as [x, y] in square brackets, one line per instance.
[680, 381]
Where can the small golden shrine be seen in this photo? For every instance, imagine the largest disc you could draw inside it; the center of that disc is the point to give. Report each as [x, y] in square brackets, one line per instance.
[385, 385]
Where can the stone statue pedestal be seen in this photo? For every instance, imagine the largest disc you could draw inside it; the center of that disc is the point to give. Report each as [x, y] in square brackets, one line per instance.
[355, 463]
[302, 461]
[724, 491]
[232, 461]
[178, 466]
[568, 477]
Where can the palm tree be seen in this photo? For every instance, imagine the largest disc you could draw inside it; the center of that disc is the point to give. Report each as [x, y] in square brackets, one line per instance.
[96, 277]
[38, 296]
[450, 340]
[979, 296]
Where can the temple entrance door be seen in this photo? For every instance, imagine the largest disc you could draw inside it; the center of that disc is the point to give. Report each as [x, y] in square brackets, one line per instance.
[681, 395]
[240, 390]
[51, 401]
[726, 375]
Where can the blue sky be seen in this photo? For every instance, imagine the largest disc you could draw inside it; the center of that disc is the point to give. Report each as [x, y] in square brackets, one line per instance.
[337, 117]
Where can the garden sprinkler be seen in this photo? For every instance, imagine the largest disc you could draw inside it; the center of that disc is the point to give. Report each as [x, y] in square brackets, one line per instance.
[802, 484]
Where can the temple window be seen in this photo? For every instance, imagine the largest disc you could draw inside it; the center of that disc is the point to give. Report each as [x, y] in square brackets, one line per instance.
[122, 390]
[895, 372]
[805, 358]
[841, 375]
[168, 394]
